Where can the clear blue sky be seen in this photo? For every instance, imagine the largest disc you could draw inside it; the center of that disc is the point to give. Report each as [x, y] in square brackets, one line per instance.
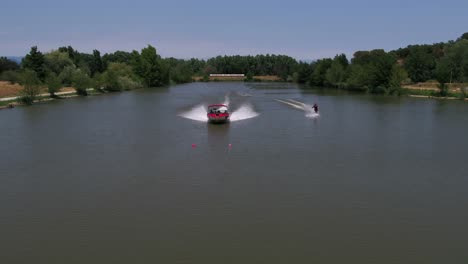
[204, 28]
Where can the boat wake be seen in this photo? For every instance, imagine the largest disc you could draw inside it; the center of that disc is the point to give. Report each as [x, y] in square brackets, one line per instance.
[309, 111]
[198, 113]
[245, 111]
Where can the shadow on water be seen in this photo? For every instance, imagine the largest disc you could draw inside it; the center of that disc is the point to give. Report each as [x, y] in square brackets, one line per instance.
[218, 132]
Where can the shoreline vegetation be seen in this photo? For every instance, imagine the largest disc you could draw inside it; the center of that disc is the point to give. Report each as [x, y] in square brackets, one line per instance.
[7, 103]
[438, 70]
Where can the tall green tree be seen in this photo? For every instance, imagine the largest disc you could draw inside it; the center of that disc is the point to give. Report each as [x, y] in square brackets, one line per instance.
[399, 75]
[304, 71]
[443, 75]
[53, 84]
[66, 76]
[380, 71]
[96, 64]
[336, 74]
[420, 63]
[118, 56]
[73, 54]
[197, 65]
[318, 76]
[361, 58]
[35, 61]
[154, 73]
[371, 70]
[81, 82]
[358, 78]
[135, 63]
[118, 77]
[342, 60]
[56, 61]
[464, 36]
[457, 56]
[181, 73]
[31, 86]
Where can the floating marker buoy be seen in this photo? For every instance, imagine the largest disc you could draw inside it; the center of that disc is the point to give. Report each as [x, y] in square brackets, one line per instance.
[194, 145]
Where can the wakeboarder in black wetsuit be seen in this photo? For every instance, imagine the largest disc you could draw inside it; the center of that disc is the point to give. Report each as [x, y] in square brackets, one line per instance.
[315, 107]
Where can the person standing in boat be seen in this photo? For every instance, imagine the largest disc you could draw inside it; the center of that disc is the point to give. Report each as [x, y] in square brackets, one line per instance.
[315, 107]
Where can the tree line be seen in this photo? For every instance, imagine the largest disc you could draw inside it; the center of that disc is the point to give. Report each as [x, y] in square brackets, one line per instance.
[375, 71]
[67, 67]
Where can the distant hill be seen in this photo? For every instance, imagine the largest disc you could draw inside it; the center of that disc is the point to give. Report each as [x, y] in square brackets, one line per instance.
[16, 59]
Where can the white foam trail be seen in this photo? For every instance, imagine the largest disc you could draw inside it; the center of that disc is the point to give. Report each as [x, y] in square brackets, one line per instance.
[297, 102]
[308, 109]
[197, 113]
[244, 112]
[290, 104]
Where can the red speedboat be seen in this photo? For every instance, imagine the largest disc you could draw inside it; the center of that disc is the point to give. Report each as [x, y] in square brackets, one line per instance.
[218, 113]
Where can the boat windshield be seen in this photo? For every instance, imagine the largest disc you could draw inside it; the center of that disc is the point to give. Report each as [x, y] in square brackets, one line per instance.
[218, 110]
[222, 109]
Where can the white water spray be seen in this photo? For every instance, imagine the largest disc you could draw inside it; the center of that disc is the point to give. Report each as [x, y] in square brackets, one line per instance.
[244, 112]
[198, 113]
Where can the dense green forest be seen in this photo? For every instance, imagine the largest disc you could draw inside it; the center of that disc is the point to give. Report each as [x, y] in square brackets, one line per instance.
[375, 71]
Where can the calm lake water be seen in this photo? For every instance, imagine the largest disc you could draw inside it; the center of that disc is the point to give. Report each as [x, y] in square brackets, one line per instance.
[115, 178]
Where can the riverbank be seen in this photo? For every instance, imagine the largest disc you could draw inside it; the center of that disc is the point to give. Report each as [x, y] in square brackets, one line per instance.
[11, 102]
[259, 78]
[434, 86]
[10, 98]
[9, 91]
[437, 97]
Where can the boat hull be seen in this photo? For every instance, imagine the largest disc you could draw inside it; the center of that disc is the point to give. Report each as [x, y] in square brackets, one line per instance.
[218, 118]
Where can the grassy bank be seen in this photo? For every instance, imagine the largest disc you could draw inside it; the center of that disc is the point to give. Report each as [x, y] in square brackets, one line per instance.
[434, 94]
[421, 90]
[44, 98]
[434, 86]
[11, 90]
[6, 104]
[431, 90]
